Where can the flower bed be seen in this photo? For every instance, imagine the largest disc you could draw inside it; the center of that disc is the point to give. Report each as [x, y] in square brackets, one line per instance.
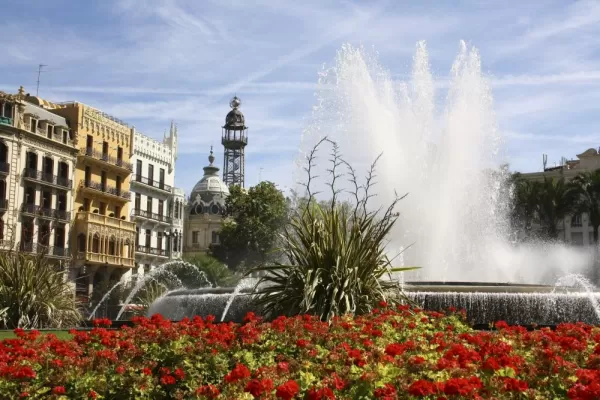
[393, 353]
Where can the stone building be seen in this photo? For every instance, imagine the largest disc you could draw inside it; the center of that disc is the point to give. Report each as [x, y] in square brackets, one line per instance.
[157, 204]
[205, 210]
[37, 158]
[103, 236]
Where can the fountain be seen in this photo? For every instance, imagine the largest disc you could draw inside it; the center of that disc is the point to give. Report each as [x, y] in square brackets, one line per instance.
[456, 213]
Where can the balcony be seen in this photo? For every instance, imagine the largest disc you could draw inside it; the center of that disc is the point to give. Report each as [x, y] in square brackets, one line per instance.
[153, 183]
[6, 121]
[48, 251]
[151, 216]
[110, 191]
[47, 178]
[151, 251]
[107, 159]
[4, 168]
[44, 212]
[104, 229]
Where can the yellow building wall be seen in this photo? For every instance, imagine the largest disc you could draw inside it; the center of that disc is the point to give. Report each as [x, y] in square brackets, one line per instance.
[86, 121]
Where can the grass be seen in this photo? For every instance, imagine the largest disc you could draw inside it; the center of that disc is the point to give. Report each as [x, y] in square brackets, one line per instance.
[59, 334]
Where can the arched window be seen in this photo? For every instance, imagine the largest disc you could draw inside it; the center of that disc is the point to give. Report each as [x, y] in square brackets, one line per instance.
[81, 245]
[96, 243]
[112, 246]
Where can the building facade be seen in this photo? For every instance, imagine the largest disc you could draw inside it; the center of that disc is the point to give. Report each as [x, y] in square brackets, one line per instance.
[157, 204]
[37, 159]
[574, 229]
[103, 235]
[205, 211]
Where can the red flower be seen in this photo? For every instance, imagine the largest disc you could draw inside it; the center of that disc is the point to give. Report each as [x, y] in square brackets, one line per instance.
[210, 391]
[58, 390]
[288, 390]
[167, 380]
[258, 387]
[388, 392]
[146, 371]
[515, 385]
[239, 372]
[179, 373]
[395, 349]
[120, 370]
[320, 394]
[422, 388]
[92, 394]
[302, 343]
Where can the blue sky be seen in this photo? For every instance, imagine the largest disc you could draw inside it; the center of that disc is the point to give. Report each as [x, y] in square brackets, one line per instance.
[150, 61]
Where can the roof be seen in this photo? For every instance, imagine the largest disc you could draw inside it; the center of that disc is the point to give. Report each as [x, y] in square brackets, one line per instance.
[45, 115]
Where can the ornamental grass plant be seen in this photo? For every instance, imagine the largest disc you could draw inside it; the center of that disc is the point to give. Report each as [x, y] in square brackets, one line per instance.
[335, 256]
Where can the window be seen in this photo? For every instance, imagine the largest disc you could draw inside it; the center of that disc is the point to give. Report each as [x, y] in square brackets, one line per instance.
[138, 201]
[159, 244]
[59, 237]
[160, 207]
[577, 238]
[31, 160]
[103, 181]
[105, 151]
[119, 185]
[215, 237]
[137, 236]
[49, 131]
[177, 210]
[81, 242]
[162, 178]
[576, 220]
[29, 197]
[47, 200]
[8, 111]
[102, 208]
[61, 201]
[88, 176]
[44, 234]
[195, 235]
[64, 136]
[89, 145]
[117, 212]
[33, 125]
[150, 174]
[86, 204]
[119, 153]
[138, 170]
[148, 237]
[149, 204]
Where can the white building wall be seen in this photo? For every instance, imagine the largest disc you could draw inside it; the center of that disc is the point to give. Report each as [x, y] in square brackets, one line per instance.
[157, 228]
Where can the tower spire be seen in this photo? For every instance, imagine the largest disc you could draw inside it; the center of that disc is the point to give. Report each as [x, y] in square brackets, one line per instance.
[234, 139]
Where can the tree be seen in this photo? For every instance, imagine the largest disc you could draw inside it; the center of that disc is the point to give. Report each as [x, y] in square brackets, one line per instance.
[216, 272]
[249, 234]
[557, 200]
[588, 184]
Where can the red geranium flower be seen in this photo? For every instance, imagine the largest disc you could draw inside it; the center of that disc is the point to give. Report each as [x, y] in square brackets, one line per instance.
[288, 390]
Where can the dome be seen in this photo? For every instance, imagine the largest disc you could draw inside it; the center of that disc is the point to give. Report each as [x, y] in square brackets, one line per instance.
[209, 194]
[235, 118]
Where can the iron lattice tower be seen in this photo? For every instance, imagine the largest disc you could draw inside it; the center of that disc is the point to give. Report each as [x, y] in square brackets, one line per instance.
[234, 138]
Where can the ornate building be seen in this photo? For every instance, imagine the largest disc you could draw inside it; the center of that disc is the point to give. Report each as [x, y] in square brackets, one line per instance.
[205, 211]
[234, 139]
[103, 236]
[37, 157]
[158, 205]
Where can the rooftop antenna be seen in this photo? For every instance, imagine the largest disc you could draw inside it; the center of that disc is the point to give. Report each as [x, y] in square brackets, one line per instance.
[545, 160]
[37, 91]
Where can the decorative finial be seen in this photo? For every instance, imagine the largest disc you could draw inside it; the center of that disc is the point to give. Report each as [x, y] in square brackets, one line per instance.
[211, 158]
[235, 102]
[21, 91]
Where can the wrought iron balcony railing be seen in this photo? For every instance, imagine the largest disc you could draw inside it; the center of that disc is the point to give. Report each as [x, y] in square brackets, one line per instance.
[42, 211]
[98, 155]
[150, 215]
[152, 182]
[38, 248]
[46, 177]
[151, 250]
[107, 189]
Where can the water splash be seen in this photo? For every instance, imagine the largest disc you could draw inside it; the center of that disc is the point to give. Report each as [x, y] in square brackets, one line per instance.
[245, 283]
[163, 270]
[582, 282]
[456, 211]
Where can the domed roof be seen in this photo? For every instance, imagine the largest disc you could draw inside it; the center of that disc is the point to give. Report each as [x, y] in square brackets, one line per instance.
[210, 184]
[235, 118]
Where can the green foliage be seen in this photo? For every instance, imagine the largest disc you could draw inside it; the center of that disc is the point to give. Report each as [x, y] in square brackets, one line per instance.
[34, 294]
[216, 272]
[336, 261]
[254, 219]
[588, 184]
[545, 203]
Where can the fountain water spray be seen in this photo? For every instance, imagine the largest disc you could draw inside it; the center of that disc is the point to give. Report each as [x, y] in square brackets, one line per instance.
[456, 211]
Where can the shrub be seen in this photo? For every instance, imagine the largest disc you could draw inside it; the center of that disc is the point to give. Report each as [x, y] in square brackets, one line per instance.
[34, 294]
[336, 256]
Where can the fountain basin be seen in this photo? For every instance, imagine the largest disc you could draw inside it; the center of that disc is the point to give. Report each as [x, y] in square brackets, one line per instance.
[484, 302]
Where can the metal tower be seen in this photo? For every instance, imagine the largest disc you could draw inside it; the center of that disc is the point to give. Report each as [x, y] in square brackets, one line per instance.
[234, 139]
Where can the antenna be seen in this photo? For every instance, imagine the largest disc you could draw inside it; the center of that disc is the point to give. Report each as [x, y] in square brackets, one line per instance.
[37, 91]
[544, 160]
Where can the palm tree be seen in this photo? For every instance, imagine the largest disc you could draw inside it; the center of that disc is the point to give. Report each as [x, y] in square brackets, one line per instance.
[589, 200]
[557, 199]
[526, 196]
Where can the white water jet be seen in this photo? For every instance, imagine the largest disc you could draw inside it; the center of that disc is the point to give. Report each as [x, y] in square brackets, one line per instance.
[162, 269]
[245, 283]
[456, 211]
[582, 282]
